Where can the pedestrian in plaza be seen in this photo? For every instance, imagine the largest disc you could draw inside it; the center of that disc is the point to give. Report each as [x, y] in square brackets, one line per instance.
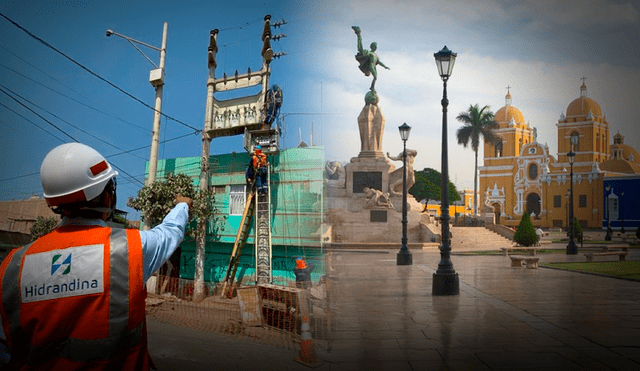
[75, 298]
[303, 273]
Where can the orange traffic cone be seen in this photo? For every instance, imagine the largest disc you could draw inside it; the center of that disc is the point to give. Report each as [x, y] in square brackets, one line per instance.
[307, 356]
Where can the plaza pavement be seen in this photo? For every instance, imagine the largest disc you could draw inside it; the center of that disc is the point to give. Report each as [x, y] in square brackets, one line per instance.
[385, 318]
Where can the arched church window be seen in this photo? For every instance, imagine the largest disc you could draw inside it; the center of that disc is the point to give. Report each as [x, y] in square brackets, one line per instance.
[575, 141]
[597, 141]
[533, 171]
[498, 149]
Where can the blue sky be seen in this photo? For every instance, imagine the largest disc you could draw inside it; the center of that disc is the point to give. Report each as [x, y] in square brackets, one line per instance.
[57, 86]
[541, 49]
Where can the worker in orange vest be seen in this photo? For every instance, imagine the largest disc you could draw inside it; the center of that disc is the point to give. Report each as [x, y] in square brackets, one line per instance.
[303, 273]
[257, 170]
[75, 298]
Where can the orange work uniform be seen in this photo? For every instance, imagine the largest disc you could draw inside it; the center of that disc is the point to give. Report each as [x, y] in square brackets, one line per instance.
[259, 160]
[74, 299]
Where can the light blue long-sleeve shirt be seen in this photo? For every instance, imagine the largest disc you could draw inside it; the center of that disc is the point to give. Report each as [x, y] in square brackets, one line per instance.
[158, 244]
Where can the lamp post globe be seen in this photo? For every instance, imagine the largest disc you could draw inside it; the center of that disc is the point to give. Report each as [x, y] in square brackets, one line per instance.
[404, 256]
[445, 279]
[572, 248]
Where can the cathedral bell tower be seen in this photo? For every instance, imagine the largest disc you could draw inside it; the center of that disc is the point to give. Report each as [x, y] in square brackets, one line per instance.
[584, 127]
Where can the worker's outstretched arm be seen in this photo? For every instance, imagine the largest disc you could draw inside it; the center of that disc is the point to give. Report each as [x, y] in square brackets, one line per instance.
[159, 243]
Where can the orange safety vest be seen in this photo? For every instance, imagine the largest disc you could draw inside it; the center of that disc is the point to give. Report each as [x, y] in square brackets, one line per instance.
[259, 160]
[75, 299]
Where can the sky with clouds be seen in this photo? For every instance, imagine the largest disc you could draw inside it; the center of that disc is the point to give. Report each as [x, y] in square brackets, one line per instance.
[541, 49]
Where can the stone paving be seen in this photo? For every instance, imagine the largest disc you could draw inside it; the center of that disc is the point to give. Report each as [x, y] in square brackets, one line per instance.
[505, 318]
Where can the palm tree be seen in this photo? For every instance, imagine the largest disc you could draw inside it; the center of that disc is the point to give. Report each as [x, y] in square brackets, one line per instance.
[477, 123]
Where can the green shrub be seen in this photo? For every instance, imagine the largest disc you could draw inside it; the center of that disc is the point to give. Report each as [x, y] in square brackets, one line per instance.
[577, 228]
[525, 234]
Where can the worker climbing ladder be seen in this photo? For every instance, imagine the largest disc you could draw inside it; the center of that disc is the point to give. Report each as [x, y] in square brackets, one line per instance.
[260, 205]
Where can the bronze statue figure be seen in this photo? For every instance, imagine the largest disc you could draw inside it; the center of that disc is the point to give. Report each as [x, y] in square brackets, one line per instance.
[368, 59]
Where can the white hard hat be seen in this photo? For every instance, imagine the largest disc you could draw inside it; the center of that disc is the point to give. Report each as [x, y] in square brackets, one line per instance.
[74, 172]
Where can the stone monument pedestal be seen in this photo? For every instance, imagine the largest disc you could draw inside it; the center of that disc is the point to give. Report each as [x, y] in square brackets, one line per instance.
[362, 208]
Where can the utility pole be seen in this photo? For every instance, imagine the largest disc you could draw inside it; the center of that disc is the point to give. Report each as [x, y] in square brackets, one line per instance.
[246, 115]
[156, 78]
[198, 279]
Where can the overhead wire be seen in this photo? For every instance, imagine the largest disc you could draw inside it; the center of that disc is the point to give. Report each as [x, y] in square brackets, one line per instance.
[38, 126]
[107, 156]
[67, 122]
[55, 126]
[95, 74]
[42, 71]
[37, 114]
[75, 100]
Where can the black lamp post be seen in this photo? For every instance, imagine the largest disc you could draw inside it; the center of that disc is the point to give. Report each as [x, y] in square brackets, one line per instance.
[566, 209]
[445, 280]
[622, 211]
[607, 237]
[404, 256]
[572, 248]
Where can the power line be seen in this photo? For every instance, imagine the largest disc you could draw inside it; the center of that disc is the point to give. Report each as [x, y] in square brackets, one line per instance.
[95, 74]
[38, 126]
[51, 77]
[52, 124]
[75, 100]
[36, 113]
[112, 155]
[20, 176]
[67, 122]
[242, 25]
[148, 145]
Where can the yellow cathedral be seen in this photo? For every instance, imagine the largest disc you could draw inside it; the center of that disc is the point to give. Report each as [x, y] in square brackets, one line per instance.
[520, 176]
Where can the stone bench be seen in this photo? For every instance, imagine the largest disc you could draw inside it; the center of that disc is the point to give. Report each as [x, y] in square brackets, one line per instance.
[621, 254]
[532, 262]
[623, 247]
[531, 250]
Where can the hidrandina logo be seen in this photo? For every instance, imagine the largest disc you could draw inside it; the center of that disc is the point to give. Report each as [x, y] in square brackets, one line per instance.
[66, 263]
[86, 277]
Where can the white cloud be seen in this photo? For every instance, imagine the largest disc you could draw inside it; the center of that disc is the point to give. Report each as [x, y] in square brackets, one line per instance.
[581, 14]
[543, 82]
[541, 90]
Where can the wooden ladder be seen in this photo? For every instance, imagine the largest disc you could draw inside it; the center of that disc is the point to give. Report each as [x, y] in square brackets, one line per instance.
[241, 239]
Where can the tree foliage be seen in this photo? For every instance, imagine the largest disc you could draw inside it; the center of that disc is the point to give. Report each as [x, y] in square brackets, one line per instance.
[525, 233]
[43, 226]
[477, 123]
[156, 200]
[427, 186]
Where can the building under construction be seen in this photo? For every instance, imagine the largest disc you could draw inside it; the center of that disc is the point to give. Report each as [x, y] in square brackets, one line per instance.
[296, 213]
